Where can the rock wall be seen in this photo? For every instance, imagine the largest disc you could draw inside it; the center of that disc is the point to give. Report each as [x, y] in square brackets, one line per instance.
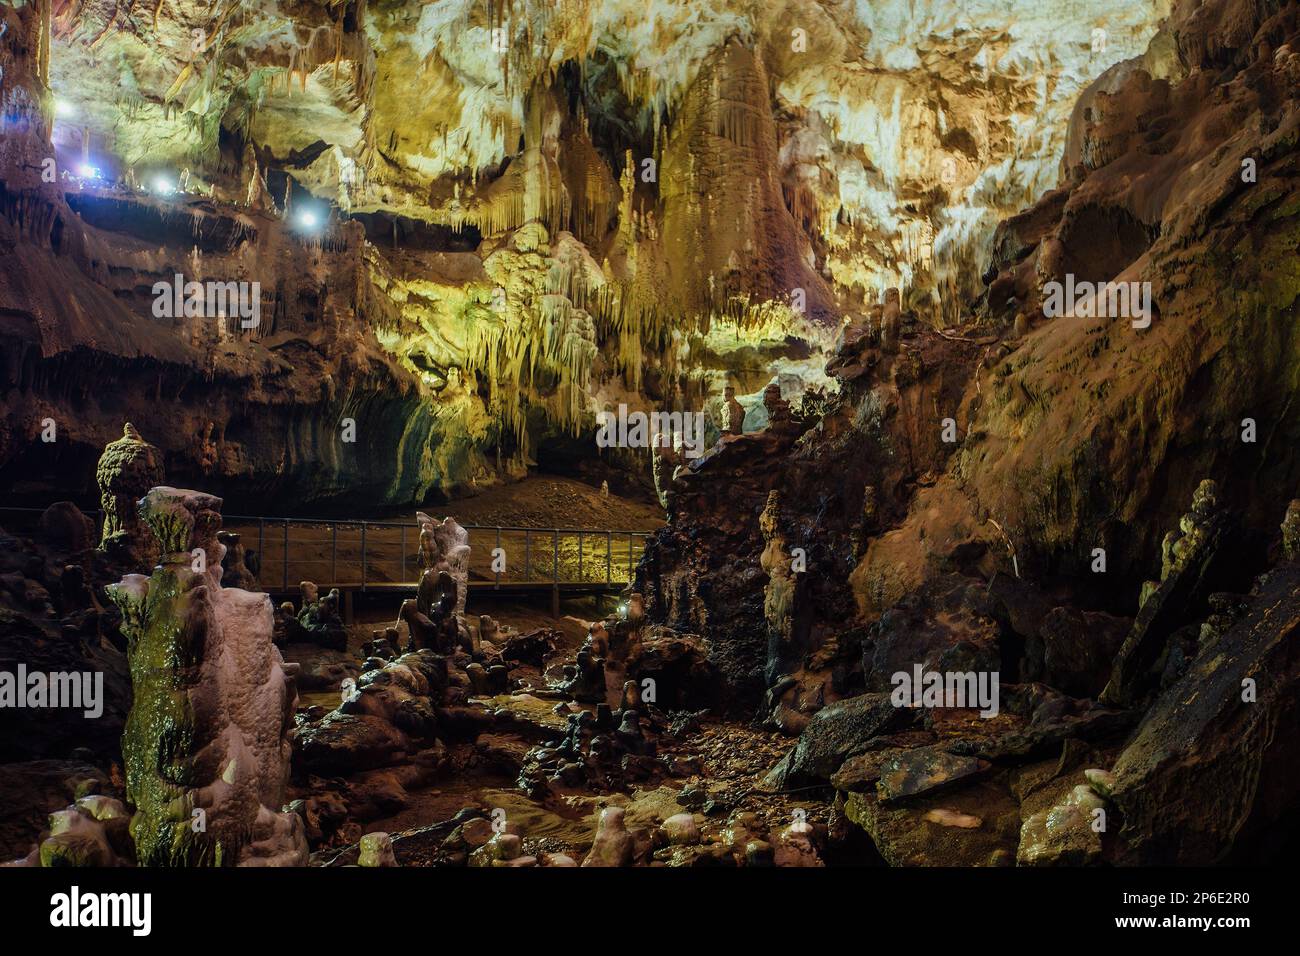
[1206, 779]
[842, 474]
[1090, 432]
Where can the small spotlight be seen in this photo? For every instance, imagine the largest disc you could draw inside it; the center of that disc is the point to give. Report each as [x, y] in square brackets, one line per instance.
[63, 108]
[307, 220]
[163, 186]
[86, 171]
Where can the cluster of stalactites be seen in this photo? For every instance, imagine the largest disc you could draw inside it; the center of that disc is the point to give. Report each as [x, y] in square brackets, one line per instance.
[540, 197]
[541, 352]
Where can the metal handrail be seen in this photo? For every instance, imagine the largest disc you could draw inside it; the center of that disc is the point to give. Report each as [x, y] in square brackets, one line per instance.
[406, 524]
[347, 522]
[497, 578]
[366, 526]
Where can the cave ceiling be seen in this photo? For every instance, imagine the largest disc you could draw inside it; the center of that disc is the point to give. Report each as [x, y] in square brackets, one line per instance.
[904, 130]
[568, 205]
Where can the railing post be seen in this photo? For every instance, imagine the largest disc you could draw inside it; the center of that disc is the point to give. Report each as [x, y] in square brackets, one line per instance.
[403, 577]
[286, 554]
[527, 542]
[363, 556]
[630, 546]
[263, 568]
[498, 548]
[580, 549]
[609, 558]
[334, 553]
[555, 568]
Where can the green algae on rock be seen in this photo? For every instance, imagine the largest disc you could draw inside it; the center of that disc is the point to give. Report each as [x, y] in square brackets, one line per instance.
[128, 468]
[206, 742]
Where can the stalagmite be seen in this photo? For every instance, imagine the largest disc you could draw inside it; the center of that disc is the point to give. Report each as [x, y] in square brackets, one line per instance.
[890, 321]
[128, 468]
[206, 743]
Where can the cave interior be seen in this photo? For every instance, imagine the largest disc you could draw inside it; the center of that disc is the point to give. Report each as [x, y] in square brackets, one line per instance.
[608, 433]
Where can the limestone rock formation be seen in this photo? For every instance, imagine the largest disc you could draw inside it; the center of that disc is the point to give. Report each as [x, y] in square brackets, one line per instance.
[235, 570]
[206, 745]
[890, 321]
[987, 312]
[496, 223]
[92, 832]
[128, 468]
[1206, 778]
[1065, 834]
[55, 621]
[320, 621]
[779, 595]
[1291, 532]
[733, 413]
[1189, 557]
[392, 712]
[613, 845]
[377, 850]
[444, 548]
[833, 736]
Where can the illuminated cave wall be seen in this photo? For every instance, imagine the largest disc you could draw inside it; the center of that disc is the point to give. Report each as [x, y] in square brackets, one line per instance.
[570, 203]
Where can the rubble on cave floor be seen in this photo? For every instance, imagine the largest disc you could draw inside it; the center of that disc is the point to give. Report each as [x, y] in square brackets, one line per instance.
[490, 745]
[708, 808]
[528, 759]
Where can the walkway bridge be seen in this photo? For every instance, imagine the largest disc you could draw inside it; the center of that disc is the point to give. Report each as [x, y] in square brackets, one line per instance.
[374, 557]
[358, 556]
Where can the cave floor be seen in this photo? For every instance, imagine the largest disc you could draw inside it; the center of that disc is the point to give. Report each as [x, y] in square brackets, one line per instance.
[711, 767]
[550, 501]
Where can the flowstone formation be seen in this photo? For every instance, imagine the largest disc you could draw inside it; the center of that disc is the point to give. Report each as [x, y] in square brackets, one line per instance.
[206, 746]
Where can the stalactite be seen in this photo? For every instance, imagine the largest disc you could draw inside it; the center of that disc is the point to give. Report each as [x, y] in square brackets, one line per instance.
[44, 9]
